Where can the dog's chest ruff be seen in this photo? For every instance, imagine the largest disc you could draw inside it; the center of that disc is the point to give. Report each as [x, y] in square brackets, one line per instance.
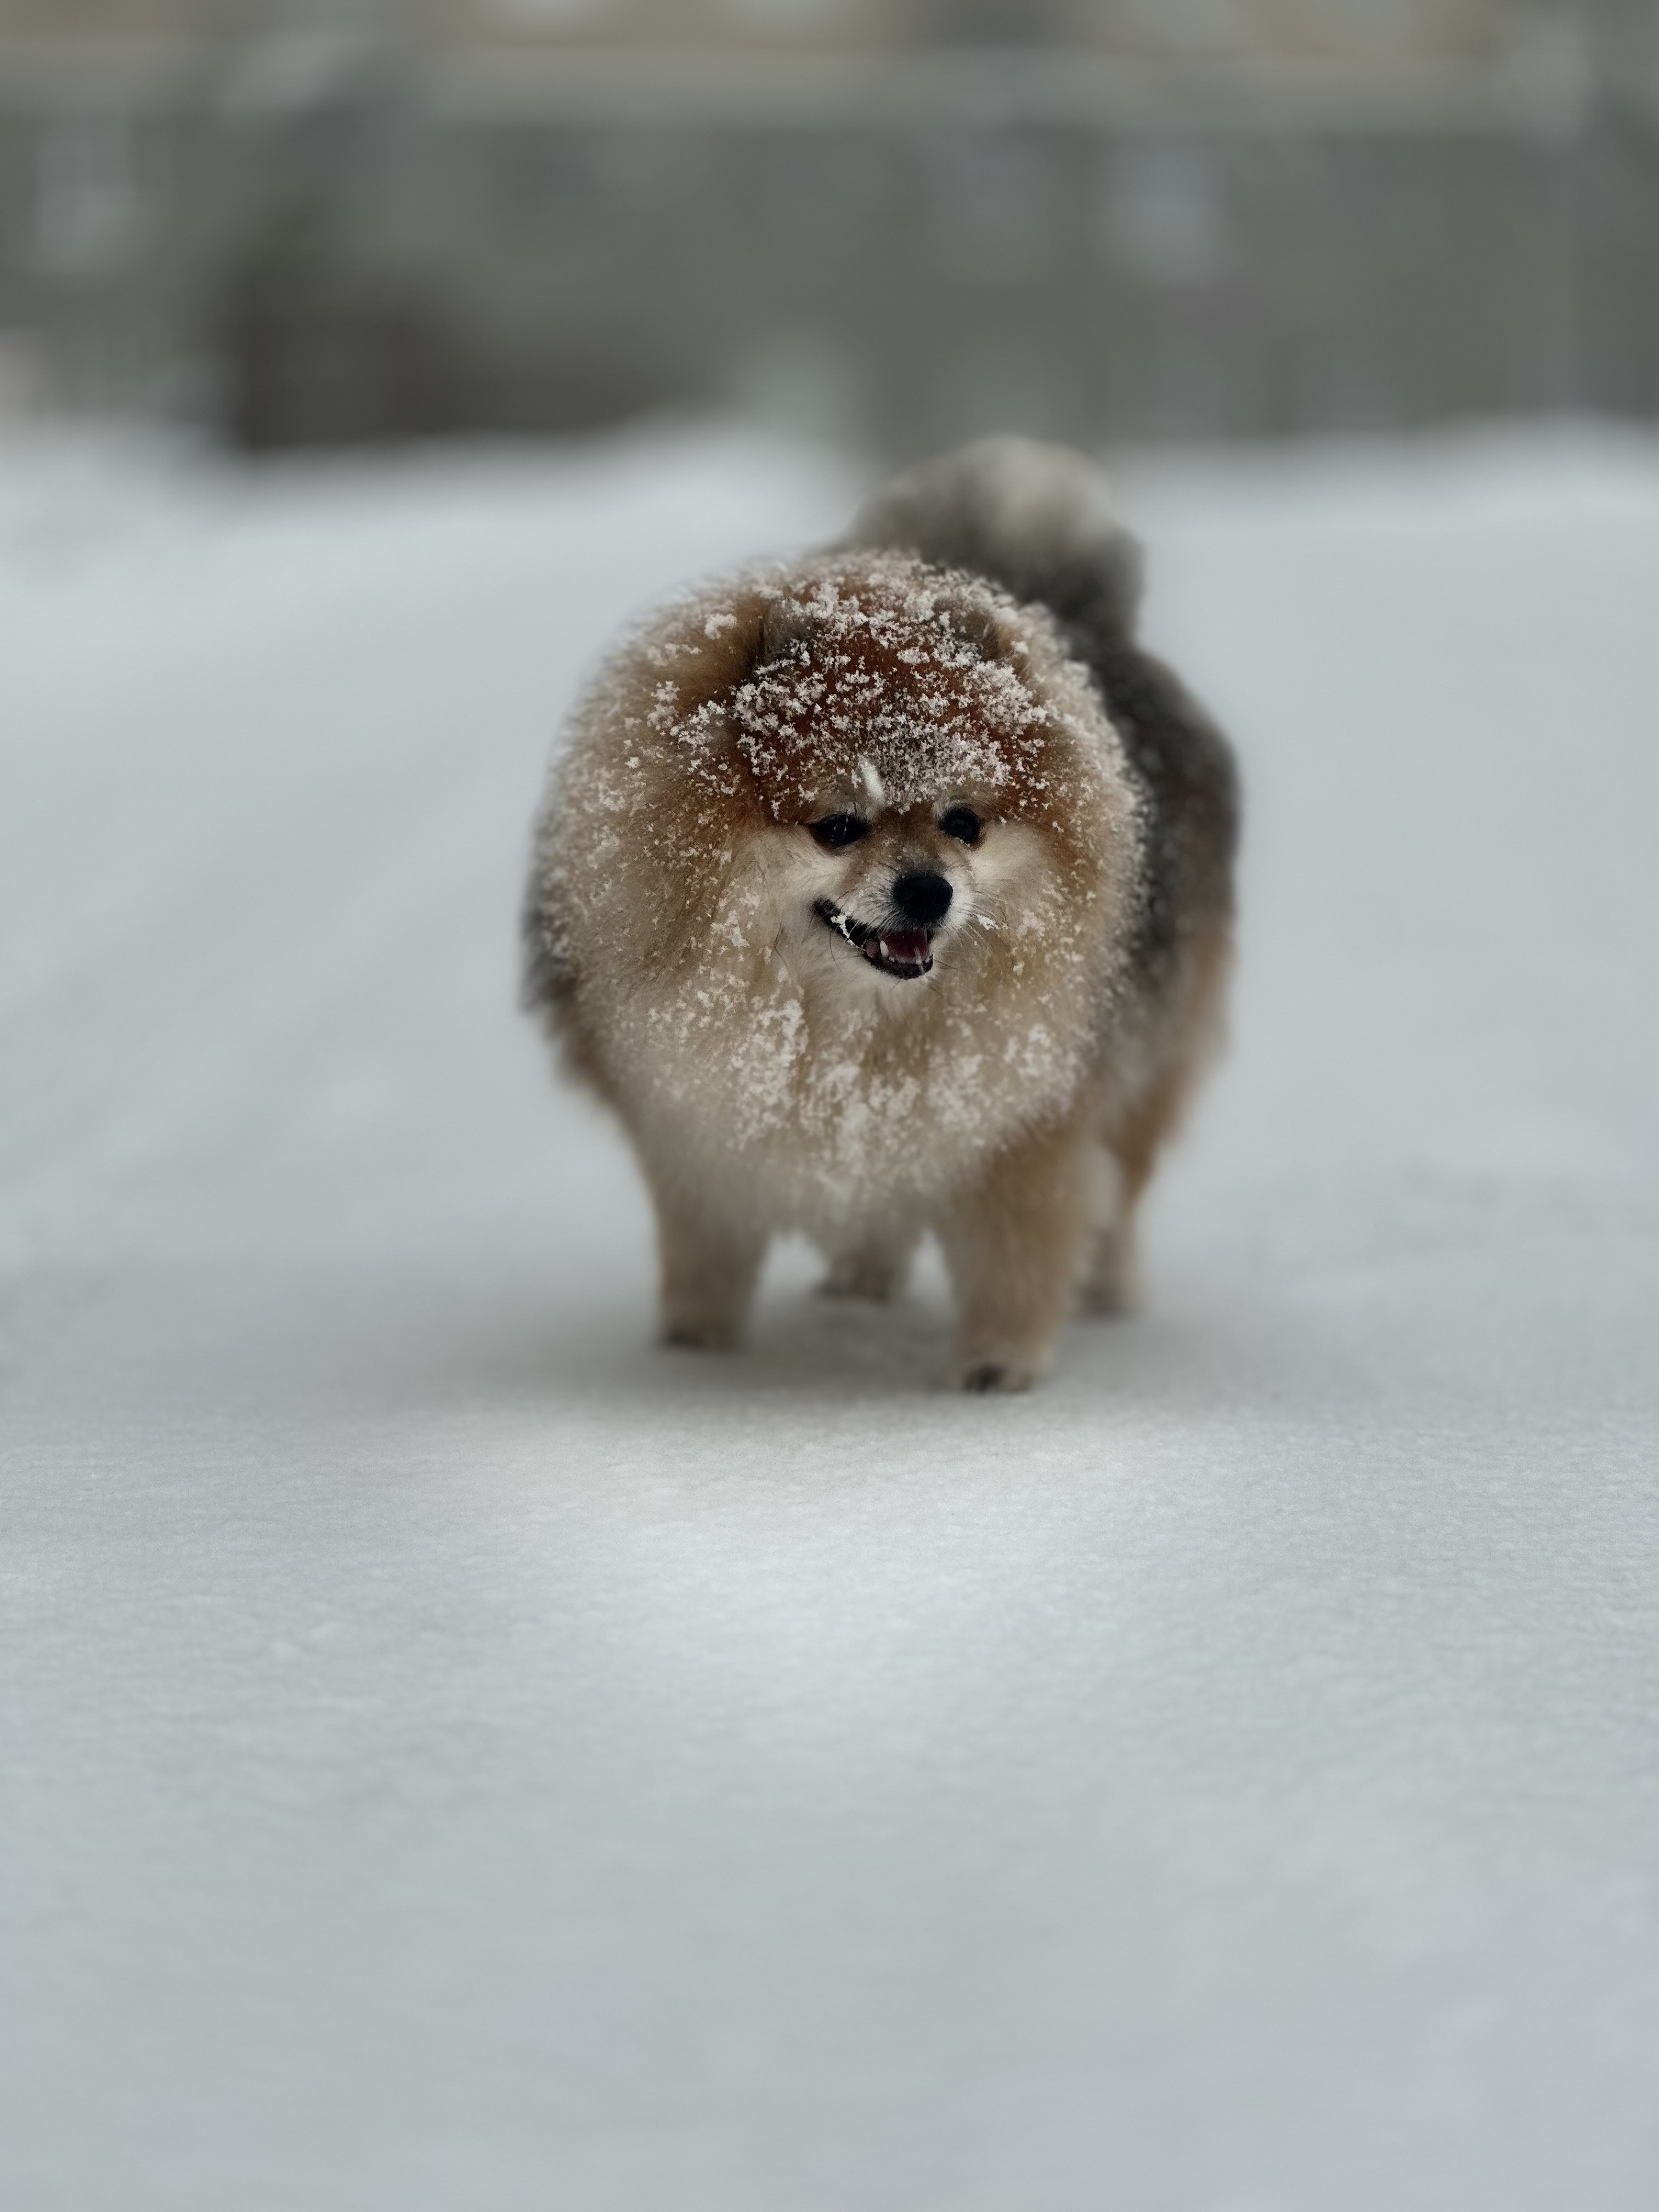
[829, 1113]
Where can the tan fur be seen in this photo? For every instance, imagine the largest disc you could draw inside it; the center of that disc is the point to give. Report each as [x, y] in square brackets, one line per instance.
[768, 1076]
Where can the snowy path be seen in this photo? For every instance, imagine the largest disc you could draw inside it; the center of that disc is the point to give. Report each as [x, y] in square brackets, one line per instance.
[454, 1754]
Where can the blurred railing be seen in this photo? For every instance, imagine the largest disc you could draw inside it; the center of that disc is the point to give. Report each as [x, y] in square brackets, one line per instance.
[325, 239]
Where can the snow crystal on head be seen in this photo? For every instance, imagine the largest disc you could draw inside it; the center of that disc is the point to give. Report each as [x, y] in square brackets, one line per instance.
[889, 678]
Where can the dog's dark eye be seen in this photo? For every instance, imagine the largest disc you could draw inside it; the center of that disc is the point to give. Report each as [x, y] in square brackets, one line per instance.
[838, 830]
[961, 822]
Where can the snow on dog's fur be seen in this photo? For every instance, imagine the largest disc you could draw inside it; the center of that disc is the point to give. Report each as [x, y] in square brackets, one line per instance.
[888, 891]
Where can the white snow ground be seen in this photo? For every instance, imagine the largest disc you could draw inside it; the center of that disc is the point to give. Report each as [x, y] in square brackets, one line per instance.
[457, 1755]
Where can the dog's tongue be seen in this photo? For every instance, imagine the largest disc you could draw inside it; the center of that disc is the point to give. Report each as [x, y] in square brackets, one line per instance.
[905, 948]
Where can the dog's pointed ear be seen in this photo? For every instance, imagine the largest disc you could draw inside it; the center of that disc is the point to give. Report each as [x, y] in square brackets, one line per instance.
[788, 630]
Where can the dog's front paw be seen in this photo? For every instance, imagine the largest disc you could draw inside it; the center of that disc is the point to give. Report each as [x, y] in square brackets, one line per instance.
[984, 1375]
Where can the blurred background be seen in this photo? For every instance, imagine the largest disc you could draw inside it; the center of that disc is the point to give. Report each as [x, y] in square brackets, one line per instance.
[889, 223]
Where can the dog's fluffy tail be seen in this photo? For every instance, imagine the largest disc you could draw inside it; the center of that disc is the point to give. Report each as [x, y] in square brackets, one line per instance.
[1034, 519]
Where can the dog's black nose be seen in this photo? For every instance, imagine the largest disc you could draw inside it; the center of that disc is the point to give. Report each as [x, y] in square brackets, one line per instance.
[923, 899]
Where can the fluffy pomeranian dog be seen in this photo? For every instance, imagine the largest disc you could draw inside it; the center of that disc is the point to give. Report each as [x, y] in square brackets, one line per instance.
[890, 891]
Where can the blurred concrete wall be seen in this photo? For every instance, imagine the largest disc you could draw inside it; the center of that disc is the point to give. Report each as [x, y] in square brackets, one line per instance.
[1103, 219]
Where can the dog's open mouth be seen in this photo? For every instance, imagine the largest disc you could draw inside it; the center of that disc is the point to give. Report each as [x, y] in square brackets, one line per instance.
[904, 953]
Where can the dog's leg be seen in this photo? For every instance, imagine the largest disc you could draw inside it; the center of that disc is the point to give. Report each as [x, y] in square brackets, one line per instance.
[1130, 1145]
[873, 1267]
[1013, 1241]
[1111, 1274]
[710, 1266]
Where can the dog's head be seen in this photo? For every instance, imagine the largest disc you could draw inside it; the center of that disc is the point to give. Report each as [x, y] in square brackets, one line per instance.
[860, 787]
[932, 786]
